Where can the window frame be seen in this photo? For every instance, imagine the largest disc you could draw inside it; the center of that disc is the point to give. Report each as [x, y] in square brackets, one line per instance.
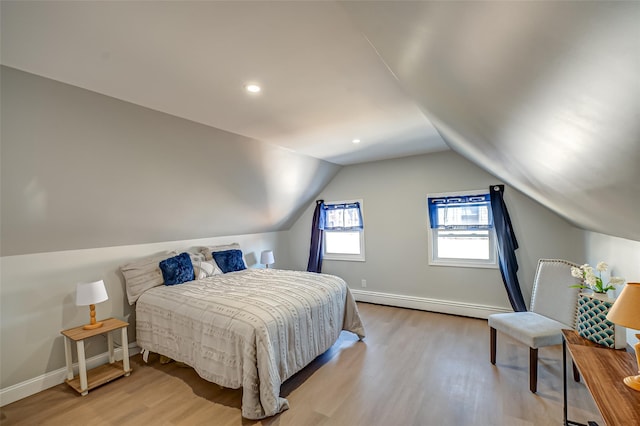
[343, 256]
[491, 263]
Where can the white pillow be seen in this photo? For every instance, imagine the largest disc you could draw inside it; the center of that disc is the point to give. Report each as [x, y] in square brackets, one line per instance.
[196, 256]
[205, 268]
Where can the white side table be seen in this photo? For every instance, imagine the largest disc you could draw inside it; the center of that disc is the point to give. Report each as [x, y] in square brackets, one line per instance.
[88, 380]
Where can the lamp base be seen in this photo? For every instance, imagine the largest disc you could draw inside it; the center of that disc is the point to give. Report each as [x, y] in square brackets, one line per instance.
[92, 326]
[633, 382]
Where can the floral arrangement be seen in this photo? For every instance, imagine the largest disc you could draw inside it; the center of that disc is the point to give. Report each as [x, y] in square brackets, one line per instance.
[592, 281]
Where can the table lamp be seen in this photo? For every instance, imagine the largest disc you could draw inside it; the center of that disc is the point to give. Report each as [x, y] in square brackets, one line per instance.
[90, 294]
[626, 312]
[266, 258]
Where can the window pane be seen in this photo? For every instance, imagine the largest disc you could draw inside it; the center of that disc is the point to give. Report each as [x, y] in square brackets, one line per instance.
[342, 242]
[460, 212]
[341, 217]
[335, 218]
[463, 216]
[463, 245]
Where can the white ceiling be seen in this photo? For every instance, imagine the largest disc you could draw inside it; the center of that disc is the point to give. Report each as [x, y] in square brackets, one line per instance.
[323, 83]
[544, 95]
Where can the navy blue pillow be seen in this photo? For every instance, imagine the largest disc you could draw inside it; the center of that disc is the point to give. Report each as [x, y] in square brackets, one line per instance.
[177, 269]
[229, 260]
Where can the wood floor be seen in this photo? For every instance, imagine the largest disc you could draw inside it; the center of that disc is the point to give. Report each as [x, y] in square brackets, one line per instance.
[413, 368]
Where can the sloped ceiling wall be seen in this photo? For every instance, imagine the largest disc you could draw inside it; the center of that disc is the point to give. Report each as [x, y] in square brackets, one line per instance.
[544, 95]
[83, 170]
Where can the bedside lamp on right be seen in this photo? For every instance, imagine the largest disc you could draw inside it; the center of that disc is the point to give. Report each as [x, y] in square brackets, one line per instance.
[266, 258]
[626, 312]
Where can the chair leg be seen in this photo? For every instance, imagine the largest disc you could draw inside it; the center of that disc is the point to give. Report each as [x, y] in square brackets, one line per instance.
[493, 345]
[576, 373]
[533, 369]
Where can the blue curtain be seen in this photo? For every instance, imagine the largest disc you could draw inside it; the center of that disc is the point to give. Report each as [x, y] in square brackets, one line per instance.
[507, 245]
[315, 250]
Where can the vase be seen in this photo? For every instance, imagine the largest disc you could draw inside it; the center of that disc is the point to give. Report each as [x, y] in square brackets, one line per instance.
[592, 321]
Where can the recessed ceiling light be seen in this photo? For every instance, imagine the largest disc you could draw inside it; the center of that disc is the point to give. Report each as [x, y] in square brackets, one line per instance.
[253, 88]
[356, 141]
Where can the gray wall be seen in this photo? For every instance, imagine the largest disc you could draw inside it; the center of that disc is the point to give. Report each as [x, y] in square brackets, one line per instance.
[83, 170]
[395, 214]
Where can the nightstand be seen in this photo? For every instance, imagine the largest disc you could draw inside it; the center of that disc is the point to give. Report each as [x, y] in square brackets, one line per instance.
[88, 380]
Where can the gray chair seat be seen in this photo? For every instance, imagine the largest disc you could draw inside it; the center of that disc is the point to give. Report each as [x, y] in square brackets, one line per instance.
[553, 308]
[529, 328]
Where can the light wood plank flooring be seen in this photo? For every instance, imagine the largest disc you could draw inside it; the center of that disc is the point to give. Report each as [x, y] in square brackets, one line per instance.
[413, 368]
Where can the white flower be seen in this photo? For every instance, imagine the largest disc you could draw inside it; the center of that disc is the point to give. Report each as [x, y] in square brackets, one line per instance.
[590, 280]
[576, 272]
[616, 280]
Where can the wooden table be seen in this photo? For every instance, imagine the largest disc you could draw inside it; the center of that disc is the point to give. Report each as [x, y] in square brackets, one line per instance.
[602, 370]
[104, 373]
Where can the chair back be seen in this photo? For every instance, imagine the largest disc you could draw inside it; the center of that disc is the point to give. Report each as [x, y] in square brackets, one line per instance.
[552, 295]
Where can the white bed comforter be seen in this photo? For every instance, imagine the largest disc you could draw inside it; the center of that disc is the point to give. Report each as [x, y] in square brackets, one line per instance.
[252, 329]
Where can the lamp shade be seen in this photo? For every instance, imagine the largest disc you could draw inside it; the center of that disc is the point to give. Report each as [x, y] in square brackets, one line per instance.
[91, 293]
[266, 258]
[626, 309]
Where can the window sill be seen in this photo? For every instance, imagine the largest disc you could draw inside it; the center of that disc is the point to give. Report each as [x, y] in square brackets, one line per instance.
[343, 259]
[463, 264]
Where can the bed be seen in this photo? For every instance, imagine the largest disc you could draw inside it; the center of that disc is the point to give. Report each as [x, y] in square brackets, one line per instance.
[249, 329]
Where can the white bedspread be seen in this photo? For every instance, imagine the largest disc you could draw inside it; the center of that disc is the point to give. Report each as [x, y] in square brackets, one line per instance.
[252, 329]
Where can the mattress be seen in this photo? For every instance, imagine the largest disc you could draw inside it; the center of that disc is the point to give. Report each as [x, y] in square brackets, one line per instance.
[250, 329]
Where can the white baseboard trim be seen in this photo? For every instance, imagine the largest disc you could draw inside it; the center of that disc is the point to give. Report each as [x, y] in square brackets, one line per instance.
[54, 378]
[425, 304]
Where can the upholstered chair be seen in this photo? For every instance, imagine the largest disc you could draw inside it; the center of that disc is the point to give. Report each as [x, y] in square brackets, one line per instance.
[553, 308]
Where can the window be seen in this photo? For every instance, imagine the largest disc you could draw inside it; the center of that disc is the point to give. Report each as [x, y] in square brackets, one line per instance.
[343, 230]
[461, 230]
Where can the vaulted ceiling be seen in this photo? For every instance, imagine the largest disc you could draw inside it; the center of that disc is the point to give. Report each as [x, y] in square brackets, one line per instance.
[544, 95]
